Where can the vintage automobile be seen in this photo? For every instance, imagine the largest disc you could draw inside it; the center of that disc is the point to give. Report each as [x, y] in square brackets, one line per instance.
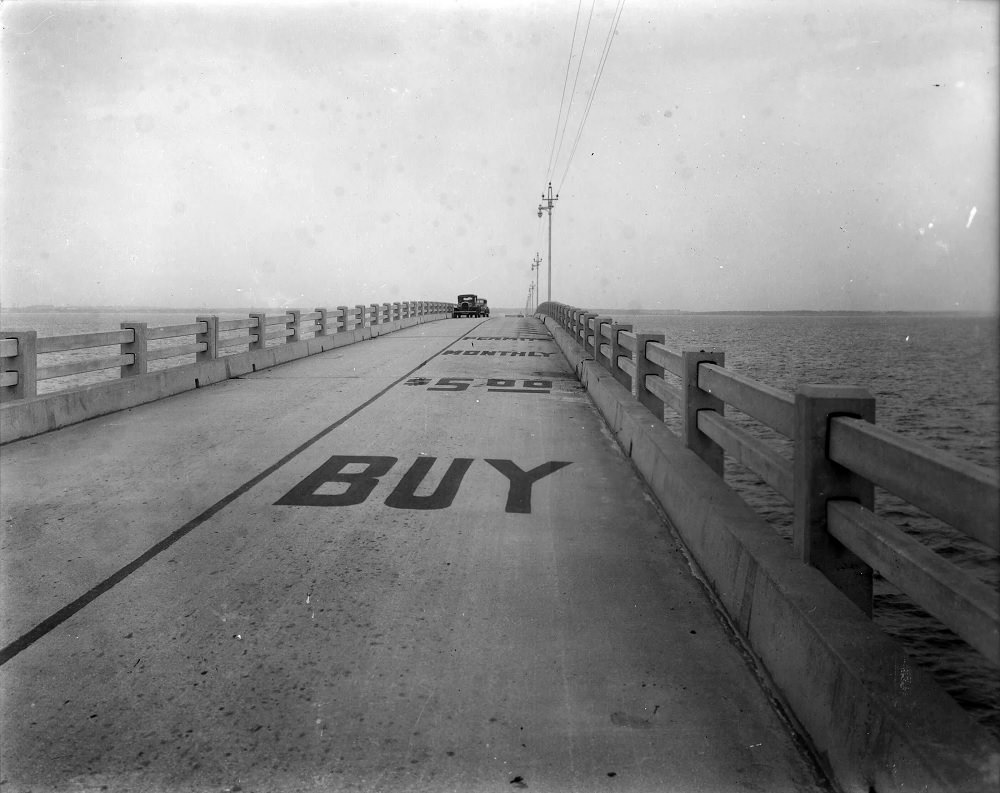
[470, 306]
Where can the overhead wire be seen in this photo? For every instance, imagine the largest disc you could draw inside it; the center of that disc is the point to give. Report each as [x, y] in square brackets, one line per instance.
[576, 79]
[559, 138]
[562, 99]
[616, 17]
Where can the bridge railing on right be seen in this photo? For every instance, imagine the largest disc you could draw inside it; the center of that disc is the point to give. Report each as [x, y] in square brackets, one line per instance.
[838, 457]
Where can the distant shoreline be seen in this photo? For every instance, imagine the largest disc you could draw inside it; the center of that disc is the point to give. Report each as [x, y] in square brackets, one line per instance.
[804, 311]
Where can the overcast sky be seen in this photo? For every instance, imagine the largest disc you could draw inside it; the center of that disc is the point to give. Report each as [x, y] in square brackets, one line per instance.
[738, 154]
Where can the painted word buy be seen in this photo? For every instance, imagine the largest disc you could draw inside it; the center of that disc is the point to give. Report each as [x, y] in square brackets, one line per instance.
[361, 475]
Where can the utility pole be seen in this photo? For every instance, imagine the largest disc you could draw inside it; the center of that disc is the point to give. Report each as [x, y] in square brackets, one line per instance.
[549, 201]
[535, 266]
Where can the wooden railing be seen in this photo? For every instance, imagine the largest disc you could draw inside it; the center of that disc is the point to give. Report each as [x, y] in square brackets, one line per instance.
[209, 337]
[839, 455]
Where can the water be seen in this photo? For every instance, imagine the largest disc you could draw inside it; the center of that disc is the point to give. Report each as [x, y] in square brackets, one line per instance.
[934, 377]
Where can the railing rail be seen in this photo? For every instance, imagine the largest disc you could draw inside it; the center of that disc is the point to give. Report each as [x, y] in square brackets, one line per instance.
[82, 366]
[206, 338]
[769, 405]
[967, 606]
[963, 494]
[82, 341]
[839, 456]
[750, 452]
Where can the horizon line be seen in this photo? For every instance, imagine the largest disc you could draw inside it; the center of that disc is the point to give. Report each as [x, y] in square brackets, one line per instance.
[42, 307]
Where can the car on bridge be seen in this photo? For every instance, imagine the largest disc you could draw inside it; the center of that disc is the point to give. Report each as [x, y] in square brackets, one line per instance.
[470, 306]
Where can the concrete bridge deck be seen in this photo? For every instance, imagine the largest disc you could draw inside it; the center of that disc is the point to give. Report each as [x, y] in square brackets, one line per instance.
[416, 563]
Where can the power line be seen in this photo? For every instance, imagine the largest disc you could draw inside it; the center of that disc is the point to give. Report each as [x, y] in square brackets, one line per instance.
[593, 90]
[562, 99]
[576, 79]
[548, 199]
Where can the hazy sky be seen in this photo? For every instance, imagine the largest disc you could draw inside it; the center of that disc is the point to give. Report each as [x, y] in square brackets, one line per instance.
[738, 154]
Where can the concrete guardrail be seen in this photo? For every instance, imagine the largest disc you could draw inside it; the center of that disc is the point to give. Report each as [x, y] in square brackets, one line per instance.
[879, 723]
[293, 334]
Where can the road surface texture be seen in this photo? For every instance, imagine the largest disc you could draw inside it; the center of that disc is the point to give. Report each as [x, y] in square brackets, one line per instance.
[414, 563]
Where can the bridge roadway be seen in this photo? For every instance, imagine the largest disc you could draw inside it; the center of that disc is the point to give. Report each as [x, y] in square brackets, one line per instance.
[414, 563]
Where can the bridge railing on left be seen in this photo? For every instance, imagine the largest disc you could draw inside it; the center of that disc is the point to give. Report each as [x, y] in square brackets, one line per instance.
[137, 349]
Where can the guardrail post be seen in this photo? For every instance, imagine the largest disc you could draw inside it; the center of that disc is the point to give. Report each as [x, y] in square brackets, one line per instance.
[261, 342]
[694, 400]
[397, 311]
[643, 367]
[818, 480]
[323, 329]
[376, 314]
[24, 363]
[616, 351]
[585, 328]
[386, 313]
[340, 323]
[360, 313]
[598, 321]
[136, 348]
[210, 338]
[294, 325]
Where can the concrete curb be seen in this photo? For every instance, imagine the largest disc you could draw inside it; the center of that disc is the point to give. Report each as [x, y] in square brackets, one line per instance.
[27, 417]
[879, 723]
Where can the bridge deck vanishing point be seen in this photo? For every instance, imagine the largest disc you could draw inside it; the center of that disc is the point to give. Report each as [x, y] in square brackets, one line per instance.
[415, 563]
